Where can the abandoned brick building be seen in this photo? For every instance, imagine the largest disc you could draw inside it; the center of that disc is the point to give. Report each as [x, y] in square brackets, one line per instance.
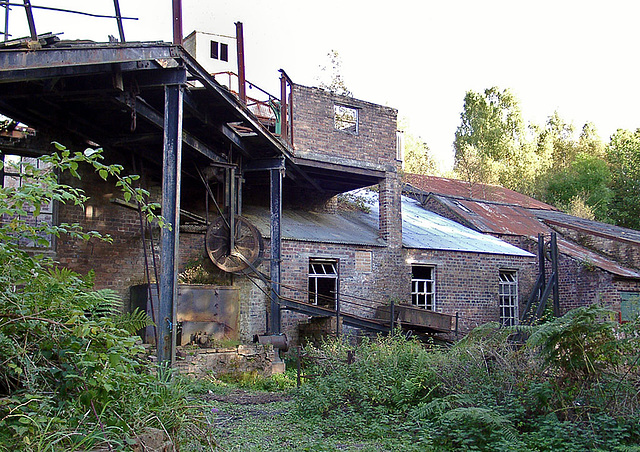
[598, 263]
[274, 171]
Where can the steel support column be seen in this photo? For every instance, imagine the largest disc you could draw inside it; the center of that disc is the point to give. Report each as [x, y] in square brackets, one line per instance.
[276, 217]
[556, 283]
[171, 167]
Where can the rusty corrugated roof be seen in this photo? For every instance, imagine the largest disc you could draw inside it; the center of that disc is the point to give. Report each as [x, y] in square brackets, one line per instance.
[495, 218]
[463, 189]
[505, 212]
[590, 258]
[588, 226]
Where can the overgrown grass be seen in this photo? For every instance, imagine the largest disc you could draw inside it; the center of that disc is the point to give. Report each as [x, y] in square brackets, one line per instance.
[572, 386]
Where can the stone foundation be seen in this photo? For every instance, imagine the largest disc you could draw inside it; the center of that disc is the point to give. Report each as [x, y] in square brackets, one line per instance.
[202, 362]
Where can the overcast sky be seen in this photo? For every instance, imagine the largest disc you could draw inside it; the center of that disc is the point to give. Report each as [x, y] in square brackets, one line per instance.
[578, 57]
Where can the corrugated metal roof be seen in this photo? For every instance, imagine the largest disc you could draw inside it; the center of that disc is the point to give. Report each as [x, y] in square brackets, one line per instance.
[589, 257]
[463, 189]
[426, 230]
[316, 227]
[595, 227]
[421, 229]
[495, 218]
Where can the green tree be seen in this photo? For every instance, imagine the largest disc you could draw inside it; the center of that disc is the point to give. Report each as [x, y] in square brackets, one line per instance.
[490, 122]
[72, 374]
[417, 157]
[488, 143]
[623, 155]
[585, 181]
[331, 78]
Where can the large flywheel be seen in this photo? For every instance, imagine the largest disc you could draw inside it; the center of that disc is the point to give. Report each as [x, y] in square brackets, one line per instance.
[247, 243]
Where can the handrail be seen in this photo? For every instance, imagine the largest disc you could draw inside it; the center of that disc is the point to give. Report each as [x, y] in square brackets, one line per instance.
[28, 7]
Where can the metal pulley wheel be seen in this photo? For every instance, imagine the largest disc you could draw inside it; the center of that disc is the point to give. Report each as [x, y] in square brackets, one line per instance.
[247, 241]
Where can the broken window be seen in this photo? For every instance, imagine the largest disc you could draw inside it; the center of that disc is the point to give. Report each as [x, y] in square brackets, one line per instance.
[323, 282]
[219, 51]
[508, 294]
[346, 118]
[423, 287]
[13, 178]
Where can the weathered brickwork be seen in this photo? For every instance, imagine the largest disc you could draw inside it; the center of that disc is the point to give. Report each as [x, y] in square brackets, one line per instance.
[580, 282]
[118, 265]
[467, 283]
[315, 133]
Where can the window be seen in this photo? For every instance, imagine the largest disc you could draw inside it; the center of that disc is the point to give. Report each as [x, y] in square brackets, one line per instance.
[346, 118]
[11, 178]
[323, 282]
[508, 297]
[219, 51]
[423, 287]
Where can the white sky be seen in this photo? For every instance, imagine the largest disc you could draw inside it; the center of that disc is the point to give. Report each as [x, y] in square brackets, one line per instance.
[579, 57]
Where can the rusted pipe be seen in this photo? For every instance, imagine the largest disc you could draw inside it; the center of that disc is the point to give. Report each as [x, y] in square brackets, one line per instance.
[242, 89]
[177, 22]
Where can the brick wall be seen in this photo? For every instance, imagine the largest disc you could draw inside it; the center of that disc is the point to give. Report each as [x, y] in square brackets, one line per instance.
[315, 132]
[120, 264]
[117, 265]
[370, 276]
[467, 283]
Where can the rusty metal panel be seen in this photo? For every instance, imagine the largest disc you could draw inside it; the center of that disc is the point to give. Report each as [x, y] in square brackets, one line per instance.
[463, 189]
[584, 255]
[213, 310]
[203, 303]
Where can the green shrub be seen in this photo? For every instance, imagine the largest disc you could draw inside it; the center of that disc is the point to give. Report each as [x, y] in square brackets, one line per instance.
[72, 372]
[572, 387]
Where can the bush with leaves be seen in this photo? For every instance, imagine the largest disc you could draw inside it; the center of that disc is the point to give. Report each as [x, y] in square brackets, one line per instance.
[72, 372]
[572, 386]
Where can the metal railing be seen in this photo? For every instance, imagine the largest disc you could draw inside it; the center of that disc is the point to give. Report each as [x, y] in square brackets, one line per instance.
[28, 8]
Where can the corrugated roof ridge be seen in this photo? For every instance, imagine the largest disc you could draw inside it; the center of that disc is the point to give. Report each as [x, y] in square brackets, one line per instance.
[499, 188]
[583, 224]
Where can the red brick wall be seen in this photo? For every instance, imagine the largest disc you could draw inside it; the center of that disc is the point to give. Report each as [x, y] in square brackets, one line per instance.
[120, 264]
[467, 283]
[117, 265]
[314, 130]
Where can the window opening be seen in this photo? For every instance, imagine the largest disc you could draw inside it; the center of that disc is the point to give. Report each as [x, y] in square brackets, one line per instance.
[224, 52]
[346, 118]
[219, 51]
[12, 178]
[508, 297]
[323, 282]
[423, 287]
[214, 50]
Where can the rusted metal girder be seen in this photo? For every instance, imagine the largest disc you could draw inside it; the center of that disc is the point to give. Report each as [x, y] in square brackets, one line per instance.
[19, 60]
[177, 22]
[242, 88]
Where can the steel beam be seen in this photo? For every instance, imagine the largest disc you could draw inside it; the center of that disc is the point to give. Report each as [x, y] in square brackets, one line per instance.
[264, 165]
[19, 60]
[30, 21]
[235, 139]
[275, 222]
[151, 115]
[177, 21]
[554, 268]
[171, 168]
